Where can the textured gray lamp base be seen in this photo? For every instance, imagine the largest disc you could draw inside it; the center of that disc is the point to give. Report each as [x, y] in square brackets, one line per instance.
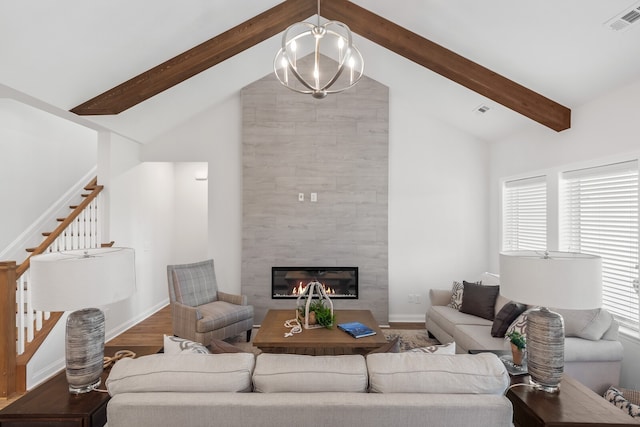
[84, 349]
[545, 349]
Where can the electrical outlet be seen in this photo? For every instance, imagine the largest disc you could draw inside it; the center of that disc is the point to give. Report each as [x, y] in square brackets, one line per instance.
[314, 197]
[417, 299]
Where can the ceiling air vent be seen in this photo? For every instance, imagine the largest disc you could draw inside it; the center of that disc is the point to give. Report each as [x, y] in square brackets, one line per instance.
[626, 18]
[481, 109]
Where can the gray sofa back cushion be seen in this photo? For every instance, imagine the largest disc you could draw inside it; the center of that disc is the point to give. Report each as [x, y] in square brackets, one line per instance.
[587, 324]
[279, 373]
[480, 373]
[182, 373]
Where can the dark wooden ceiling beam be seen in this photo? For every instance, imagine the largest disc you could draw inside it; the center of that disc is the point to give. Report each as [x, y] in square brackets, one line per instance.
[198, 59]
[369, 25]
[448, 64]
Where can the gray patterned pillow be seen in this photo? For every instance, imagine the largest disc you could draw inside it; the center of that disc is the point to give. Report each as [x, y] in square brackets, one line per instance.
[616, 397]
[175, 345]
[520, 324]
[456, 295]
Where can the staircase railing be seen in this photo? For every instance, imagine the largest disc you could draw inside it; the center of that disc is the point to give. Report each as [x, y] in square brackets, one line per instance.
[24, 332]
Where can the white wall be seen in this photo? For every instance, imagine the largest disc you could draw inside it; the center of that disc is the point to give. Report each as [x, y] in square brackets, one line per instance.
[142, 216]
[213, 137]
[437, 203]
[43, 156]
[190, 204]
[603, 130]
[437, 207]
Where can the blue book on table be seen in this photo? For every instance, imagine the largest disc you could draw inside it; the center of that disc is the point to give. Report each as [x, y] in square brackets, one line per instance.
[356, 329]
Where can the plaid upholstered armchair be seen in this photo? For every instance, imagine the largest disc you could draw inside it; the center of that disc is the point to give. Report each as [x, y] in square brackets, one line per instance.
[199, 311]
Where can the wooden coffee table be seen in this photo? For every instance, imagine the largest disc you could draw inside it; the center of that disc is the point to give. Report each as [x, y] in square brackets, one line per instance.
[270, 337]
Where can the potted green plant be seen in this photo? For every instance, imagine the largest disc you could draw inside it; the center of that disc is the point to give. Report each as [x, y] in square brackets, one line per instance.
[318, 314]
[518, 344]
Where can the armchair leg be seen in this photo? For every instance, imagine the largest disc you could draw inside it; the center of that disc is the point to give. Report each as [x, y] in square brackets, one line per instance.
[249, 335]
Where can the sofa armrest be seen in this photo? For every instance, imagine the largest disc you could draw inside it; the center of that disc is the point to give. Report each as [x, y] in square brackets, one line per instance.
[232, 298]
[439, 296]
[184, 318]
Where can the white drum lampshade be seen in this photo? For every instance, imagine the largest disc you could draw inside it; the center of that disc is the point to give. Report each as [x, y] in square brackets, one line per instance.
[561, 280]
[77, 281]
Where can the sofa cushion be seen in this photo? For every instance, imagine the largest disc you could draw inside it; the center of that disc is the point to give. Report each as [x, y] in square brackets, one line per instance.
[581, 350]
[505, 317]
[279, 373]
[176, 345]
[444, 374]
[477, 337]
[448, 318]
[479, 300]
[218, 314]
[182, 373]
[587, 324]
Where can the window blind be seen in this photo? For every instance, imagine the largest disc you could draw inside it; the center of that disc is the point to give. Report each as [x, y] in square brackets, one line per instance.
[600, 216]
[524, 215]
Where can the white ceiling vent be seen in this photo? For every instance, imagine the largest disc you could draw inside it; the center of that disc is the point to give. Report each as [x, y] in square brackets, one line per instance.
[625, 19]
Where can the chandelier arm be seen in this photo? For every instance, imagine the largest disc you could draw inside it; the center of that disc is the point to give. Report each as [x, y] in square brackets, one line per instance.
[300, 79]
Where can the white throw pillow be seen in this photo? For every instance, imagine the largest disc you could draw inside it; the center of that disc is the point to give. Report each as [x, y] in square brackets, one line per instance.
[175, 345]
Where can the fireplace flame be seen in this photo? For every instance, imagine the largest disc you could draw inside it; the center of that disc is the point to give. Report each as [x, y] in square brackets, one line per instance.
[299, 289]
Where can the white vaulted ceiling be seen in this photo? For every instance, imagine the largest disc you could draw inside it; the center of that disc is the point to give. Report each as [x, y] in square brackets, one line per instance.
[68, 51]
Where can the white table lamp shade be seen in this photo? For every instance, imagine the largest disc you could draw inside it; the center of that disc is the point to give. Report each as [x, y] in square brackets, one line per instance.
[77, 279]
[559, 280]
[564, 280]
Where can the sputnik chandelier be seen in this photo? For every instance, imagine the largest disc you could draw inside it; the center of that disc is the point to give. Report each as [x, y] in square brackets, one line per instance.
[318, 59]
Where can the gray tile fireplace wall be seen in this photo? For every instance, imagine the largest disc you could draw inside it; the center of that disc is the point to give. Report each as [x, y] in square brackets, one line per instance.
[338, 148]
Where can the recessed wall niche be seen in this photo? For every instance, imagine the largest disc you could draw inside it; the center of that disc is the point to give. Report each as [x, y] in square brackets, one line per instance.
[337, 148]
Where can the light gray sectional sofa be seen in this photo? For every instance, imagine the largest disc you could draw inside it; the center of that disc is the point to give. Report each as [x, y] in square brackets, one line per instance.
[274, 390]
[595, 360]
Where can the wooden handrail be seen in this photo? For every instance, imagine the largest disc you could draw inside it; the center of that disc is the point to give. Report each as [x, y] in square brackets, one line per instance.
[60, 229]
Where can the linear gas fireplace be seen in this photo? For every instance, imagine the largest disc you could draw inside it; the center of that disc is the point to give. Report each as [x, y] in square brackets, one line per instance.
[339, 282]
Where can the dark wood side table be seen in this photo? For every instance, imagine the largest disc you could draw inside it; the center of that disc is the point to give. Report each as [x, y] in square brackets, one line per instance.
[575, 405]
[51, 404]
